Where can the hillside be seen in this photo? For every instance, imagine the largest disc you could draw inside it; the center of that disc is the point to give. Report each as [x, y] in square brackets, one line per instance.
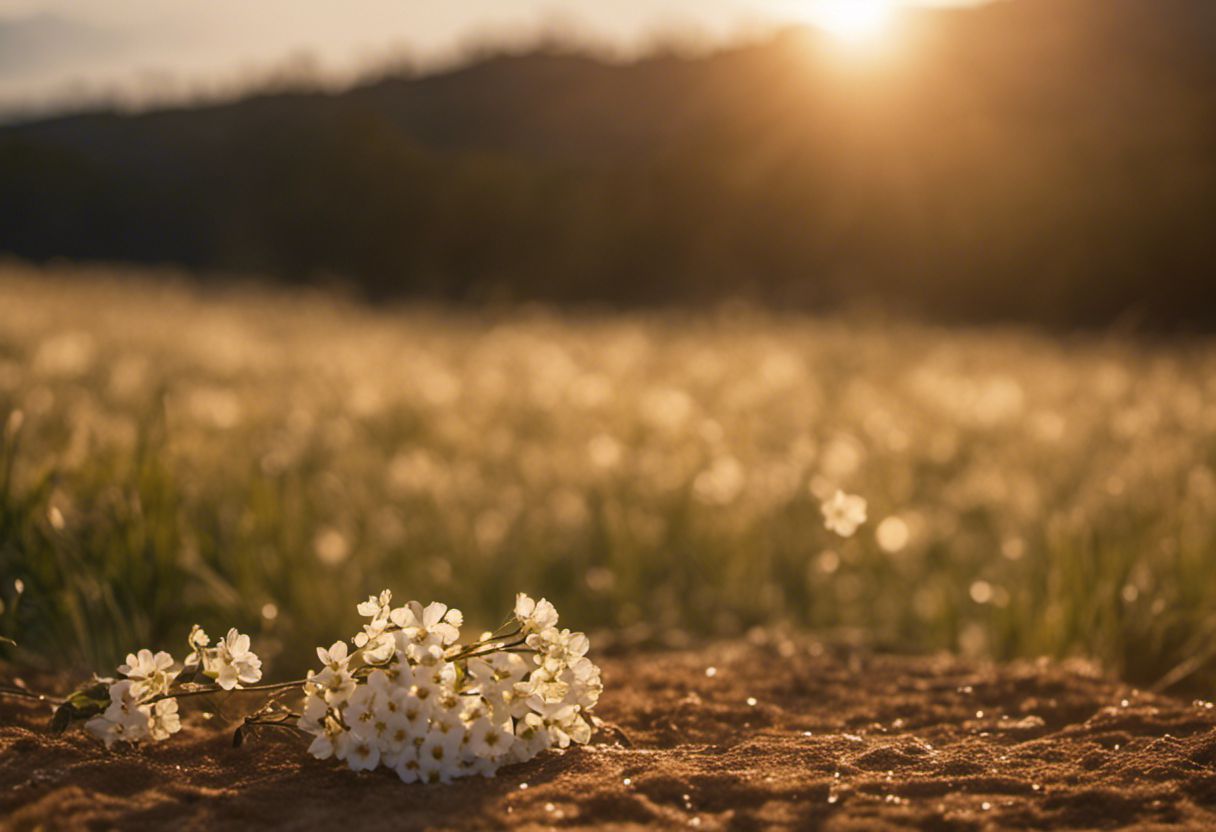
[994, 163]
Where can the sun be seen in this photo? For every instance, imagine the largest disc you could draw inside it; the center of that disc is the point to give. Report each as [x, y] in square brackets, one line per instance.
[854, 21]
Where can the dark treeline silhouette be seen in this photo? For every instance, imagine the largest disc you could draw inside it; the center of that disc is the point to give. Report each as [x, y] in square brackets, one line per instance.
[1043, 160]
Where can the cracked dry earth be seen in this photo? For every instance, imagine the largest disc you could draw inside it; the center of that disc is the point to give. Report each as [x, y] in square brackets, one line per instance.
[734, 736]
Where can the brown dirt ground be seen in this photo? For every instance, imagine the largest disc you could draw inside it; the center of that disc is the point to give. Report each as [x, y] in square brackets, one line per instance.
[834, 740]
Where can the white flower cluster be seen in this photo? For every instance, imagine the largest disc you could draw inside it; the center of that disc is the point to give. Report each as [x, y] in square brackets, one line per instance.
[141, 707]
[411, 699]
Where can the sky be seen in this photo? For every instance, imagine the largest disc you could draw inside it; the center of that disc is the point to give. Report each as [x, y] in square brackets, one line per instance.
[54, 52]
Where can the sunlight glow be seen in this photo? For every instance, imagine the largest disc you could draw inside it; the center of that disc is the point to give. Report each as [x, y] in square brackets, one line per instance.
[854, 21]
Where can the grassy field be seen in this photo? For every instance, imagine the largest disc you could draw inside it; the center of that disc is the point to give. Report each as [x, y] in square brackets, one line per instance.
[264, 460]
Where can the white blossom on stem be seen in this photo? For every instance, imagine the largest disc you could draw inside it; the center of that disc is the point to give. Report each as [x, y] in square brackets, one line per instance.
[234, 663]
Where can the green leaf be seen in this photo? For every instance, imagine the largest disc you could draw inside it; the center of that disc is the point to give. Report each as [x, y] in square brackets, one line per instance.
[94, 697]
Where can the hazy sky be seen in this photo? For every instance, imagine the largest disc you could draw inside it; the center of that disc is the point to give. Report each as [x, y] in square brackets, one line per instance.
[52, 50]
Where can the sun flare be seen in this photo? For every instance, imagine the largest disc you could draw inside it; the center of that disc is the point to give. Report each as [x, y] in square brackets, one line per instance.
[854, 21]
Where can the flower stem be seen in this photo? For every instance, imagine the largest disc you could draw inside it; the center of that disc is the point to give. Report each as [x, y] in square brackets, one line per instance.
[217, 689]
[498, 648]
[22, 693]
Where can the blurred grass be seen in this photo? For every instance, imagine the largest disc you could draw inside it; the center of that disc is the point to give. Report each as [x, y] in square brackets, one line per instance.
[264, 460]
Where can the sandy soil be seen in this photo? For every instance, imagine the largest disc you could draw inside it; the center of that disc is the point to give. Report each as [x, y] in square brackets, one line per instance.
[777, 737]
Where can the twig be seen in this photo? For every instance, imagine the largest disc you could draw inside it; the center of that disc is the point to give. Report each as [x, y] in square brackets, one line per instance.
[499, 648]
[22, 693]
[1179, 673]
[217, 689]
[619, 731]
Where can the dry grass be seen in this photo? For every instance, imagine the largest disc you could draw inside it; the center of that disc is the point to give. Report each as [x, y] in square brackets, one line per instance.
[260, 459]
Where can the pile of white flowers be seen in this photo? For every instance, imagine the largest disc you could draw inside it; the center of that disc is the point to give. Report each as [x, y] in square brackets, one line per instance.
[141, 706]
[411, 701]
[403, 694]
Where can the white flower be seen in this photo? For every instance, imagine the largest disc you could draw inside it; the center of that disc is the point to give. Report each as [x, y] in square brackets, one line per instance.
[532, 737]
[313, 719]
[335, 658]
[559, 648]
[473, 708]
[165, 720]
[398, 733]
[563, 723]
[447, 713]
[585, 685]
[534, 616]
[124, 720]
[491, 739]
[439, 757]
[498, 669]
[479, 765]
[436, 624]
[407, 764]
[578, 730]
[401, 675]
[235, 663]
[378, 681]
[431, 682]
[373, 607]
[316, 720]
[513, 702]
[322, 747]
[198, 637]
[151, 673]
[496, 677]
[416, 713]
[335, 685]
[105, 730]
[390, 699]
[362, 754]
[359, 712]
[378, 646]
[843, 513]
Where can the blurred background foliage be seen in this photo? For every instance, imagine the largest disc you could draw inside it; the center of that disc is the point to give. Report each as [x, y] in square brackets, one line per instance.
[266, 459]
[1040, 160]
[731, 249]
